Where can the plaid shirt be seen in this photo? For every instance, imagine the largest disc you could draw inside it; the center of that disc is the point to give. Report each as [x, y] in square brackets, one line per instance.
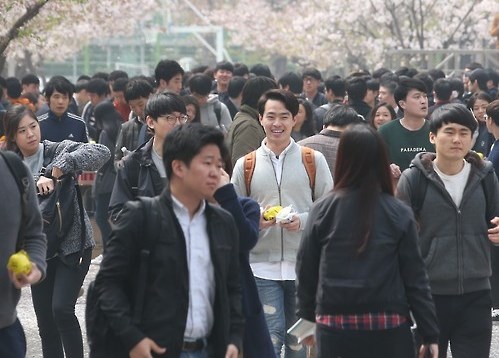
[362, 322]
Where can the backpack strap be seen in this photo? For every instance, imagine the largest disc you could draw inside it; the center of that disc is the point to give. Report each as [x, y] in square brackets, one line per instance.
[217, 108]
[21, 175]
[308, 159]
[249, 168]
[152, 224]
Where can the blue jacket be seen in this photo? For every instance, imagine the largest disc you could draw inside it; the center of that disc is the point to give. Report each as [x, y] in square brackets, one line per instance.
[68, 126]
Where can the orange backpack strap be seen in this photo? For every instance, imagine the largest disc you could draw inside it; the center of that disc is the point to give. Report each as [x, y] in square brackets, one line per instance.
[307, 157]
[249, 168]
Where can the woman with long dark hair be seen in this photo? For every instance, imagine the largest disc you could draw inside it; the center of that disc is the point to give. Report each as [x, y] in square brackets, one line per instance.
[304, 126]
[359, 268]
[55, 297]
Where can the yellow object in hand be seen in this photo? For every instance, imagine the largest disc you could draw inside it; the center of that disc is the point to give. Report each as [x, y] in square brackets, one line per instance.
[19, 263]
[271, 212]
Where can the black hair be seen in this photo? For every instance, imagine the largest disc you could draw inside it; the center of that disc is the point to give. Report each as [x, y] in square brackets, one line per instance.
[375, 109]
[481, 76]
[185, 142]
[337, 85]
[83, 77]
[14, 88]
[191, 100]
[427, 80]
[138, 88]
[377, 73]
[114, 75]
[11, 120]
[473, 66]
[261, 70]
[484, 96]
[224, 65]
[493, 76]
[254, 88]
[406, 85]
[30, 79]
[341, 115]
[308, 126]
[372, 84]
[60, 84]
[493, 111]
[98, 86]
[406, 71]
[389, 83]
[458, 86]
[108, 120]
[81, 85]
[292, 81]
[167, 69]
[362, 164]
[240, 69]
[311, 72]
[285, 97]
[452, 113]
[102, 75]
[164, 103]
[235, 87]
[435, 74]
[356, 89]
[443, 89]
[119, 85]
[200, 84]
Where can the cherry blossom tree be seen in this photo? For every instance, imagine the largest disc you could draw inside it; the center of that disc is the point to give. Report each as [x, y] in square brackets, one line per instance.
[56, 29]
[357, 32]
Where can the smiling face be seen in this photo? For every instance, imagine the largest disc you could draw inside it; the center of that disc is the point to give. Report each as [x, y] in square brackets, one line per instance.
[479, 109]
[382, 116]
[223, 77]
[415, 104]
[277, 122]
[452, 142]
[28, 136]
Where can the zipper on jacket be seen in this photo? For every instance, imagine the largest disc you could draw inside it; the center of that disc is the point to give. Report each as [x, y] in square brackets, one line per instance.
[460, 255]
[280, 203]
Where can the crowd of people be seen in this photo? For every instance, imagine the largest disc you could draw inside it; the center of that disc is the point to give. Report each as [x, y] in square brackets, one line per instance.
[385, 236]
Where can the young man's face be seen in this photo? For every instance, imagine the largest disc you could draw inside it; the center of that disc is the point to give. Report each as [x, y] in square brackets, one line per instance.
[164, 124]
[174, 85]
[415, 104]
[58, 103]
[385, 96]
[119, 97]
[223, 77]
[138, 106]
[95, 98]
[452, 141]
[200, 178]
[310, 84]
[278, 122]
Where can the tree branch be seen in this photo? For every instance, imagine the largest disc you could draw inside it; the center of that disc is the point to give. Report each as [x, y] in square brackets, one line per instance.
[447, 42]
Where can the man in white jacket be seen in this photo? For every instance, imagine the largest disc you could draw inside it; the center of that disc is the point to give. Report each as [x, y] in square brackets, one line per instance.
[280, 177]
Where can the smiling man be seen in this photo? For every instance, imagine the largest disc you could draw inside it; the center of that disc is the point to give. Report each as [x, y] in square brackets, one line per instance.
[455, 197]
[58, 124]
[408, 136]
[280, 177]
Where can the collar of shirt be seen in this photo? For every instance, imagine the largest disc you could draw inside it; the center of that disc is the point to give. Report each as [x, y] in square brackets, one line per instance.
[182, 211]
[278, 161]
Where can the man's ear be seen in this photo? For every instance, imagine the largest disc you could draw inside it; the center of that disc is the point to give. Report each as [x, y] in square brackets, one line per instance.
[178, 168]
[401, 103]
[260, 118]
[150, 122]
[432, 138]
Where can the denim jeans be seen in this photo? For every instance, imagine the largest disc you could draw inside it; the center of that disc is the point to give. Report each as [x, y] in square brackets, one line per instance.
[54, 301]
[279, 301]
[13, 341]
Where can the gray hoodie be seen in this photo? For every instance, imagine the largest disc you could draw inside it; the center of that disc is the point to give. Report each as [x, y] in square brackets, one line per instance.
[35, 243]
[209, 118]
[453, 240]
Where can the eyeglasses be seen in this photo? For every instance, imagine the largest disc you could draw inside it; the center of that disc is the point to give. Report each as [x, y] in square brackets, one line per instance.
[171, 119]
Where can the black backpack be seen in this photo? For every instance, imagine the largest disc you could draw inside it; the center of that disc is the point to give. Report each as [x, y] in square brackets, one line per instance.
[99, 333]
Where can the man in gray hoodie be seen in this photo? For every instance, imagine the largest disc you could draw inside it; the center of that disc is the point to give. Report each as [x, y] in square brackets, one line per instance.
[455, 197]
[12, 338]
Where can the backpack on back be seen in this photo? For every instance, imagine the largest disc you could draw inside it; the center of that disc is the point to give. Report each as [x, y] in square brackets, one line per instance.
[308, 160]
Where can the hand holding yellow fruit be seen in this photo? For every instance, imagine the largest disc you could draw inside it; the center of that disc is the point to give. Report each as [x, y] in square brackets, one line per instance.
[19, 263]
[271, 212]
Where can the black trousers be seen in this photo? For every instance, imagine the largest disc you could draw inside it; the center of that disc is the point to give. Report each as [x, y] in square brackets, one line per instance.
[494, 280]
[13, 341]
[54, 301]
[465, 322]
[389, 343]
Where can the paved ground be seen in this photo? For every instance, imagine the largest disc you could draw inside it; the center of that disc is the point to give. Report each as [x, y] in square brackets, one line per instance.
[27, 316]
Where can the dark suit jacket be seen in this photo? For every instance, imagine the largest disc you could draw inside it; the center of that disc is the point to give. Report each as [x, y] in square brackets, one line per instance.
[166, 299]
